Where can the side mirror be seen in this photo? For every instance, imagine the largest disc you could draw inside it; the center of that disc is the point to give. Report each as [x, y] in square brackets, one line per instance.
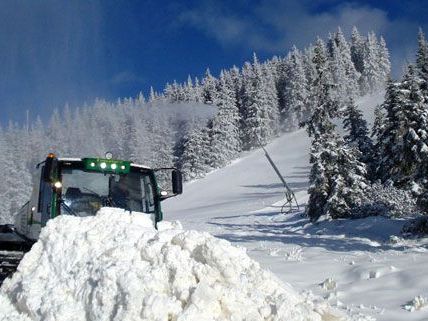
[177, 182]
[170, 182]
[50, 168]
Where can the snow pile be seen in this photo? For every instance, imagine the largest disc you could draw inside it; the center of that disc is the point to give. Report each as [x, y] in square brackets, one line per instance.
[116, 266]
[8, 312]
[417, 303]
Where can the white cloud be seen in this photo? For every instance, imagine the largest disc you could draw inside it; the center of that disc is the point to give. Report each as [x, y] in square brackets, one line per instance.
[125, 77]
[277, 25]
[274, 26]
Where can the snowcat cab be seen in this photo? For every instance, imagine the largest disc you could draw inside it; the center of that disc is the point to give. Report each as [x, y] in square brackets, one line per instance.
[80, 187]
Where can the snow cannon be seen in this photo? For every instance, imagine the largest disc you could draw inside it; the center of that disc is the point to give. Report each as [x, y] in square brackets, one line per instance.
[80, 187]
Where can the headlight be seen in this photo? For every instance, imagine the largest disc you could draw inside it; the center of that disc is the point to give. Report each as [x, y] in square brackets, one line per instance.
[103, 165]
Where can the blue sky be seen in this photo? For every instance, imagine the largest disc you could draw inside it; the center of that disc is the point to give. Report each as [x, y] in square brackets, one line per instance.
[55, 52]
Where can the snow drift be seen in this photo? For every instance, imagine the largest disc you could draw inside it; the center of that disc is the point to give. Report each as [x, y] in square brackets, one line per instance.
[116, 266]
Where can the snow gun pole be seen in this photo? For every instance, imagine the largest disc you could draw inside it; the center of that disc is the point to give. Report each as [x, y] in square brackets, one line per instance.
[289, 194]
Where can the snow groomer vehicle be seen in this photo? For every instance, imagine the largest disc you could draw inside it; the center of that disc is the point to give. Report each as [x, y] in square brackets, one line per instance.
[80, 187]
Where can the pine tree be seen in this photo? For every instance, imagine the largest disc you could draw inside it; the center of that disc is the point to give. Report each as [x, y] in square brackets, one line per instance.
[134, 147]
[378, 123]
[295, 94]
[225, 125]
[18, 181]
[416, 137]
[272, 108]
[376, 65]
[324, 106]
[209, 84]
[344, 73]
[384, 63]
[422, 61]
[403, 140]
[195, 159]
[389, 139]
[357, 132]
[259, 106]
[357, 50]
[348, 181]
[337, 178]
[152, 95]
[6, 165]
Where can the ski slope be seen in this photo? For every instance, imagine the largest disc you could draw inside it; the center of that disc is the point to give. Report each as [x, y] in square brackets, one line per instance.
[361, 266]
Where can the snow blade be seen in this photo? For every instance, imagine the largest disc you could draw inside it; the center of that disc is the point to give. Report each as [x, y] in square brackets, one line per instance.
[9, 262]
[10, 240]
[12, 249]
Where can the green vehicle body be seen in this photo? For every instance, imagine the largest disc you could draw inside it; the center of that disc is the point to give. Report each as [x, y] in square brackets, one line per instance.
[80, 186]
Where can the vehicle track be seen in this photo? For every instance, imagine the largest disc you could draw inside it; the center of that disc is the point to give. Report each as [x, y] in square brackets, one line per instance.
[9, 262]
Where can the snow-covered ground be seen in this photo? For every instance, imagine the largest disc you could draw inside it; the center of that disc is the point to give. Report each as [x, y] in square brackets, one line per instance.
[116, 266]
[362, 266]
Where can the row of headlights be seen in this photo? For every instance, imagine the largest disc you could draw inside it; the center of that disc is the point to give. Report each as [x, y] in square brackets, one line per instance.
[103, 165]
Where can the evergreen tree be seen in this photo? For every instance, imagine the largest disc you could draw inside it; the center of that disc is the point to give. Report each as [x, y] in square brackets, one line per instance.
[422, 61]
[6, 195]
[225, 126]
[345, 76]
[195, 158]
[152, 95]
[271, 94]
[348, 180]
[384, 63]
[337, 178]
[259, 103]
[357, 50]
[209, 84]
[18, 181]
[295, 91]
[389, 139]
[379, 122]
[376, 65]
[416, 136]
[324, 106]
[403, 140]
[357, 132]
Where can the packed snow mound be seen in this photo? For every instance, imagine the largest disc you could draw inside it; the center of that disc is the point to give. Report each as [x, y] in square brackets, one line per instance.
[116, 266]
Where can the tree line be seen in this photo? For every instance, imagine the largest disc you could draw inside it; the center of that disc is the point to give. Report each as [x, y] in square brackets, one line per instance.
[384, 171]
[254, 103]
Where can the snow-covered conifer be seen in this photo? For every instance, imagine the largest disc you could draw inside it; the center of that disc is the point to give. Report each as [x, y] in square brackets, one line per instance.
[195, 158]
[422, 58]
[295, 91]
[384, 63]
[323, 105]
[403, 141]
[225, 136]
[209, 84]
[345, 76]
[258, 105]
[357, 50]
[337, 178]
[357, 131]
[376, 65]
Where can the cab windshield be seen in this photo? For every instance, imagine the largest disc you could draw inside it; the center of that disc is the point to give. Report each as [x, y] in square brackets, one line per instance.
[84, 193]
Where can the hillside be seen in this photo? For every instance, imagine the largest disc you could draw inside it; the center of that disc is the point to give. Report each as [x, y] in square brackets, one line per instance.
[358, 265]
